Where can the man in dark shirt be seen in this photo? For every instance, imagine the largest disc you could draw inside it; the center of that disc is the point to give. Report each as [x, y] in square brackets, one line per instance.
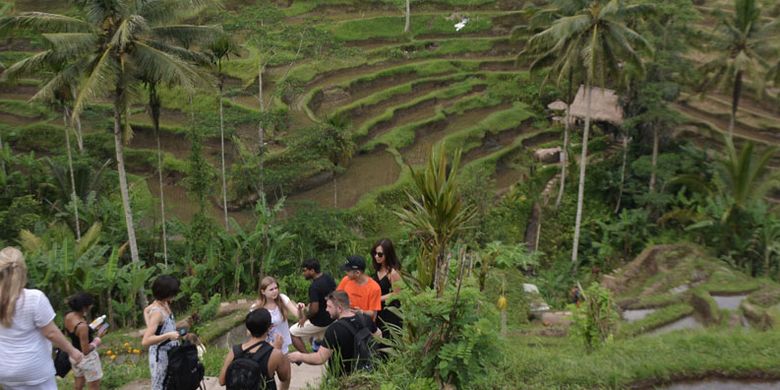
[313, 318]
[339, 339]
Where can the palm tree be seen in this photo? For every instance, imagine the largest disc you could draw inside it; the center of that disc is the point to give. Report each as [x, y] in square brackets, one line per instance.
[154, 113]
[744, 41]
[436, 214]
[51, 64]
[220, 50]
[598, 37]
[541, 20]
[109, 41]
[337, 143]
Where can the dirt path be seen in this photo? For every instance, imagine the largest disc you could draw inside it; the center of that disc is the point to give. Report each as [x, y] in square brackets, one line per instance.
[303, 376]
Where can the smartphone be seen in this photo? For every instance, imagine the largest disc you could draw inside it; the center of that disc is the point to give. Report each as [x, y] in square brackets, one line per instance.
[103, 329]
[182, 331]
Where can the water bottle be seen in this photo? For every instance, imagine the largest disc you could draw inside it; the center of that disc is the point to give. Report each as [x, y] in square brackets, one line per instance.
[97, 322]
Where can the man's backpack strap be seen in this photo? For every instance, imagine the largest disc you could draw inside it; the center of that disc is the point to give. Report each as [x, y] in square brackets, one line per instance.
[238, 351]
[349, 326]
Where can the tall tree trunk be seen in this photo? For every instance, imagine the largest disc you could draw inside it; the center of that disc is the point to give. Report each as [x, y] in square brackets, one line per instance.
[654, 158]
[408, 23]
[441, 271]
[260, 127]
[735, 102]
[335, 192]
[222, 150]
[123, 188]
[154, 110]
[2, 149]
[564, 160]
[73, 196]
[622, 172]
[565, 148]
[79, 133]
[581, 185]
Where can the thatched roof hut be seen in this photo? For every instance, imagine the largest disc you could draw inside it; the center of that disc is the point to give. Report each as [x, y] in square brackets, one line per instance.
[604, 106]
[557, 106]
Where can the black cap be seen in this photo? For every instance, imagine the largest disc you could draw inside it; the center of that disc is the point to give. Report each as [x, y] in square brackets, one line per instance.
[354, 263]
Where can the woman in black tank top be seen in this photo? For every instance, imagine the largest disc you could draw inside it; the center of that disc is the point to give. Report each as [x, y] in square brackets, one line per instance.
[387, 274]
[83, 338]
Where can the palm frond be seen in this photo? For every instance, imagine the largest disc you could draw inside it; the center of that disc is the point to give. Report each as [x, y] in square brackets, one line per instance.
[31, 65]
[102, 75]
[192, 56]
[70, 45]
[167, 68]
[186, 34]
[61, 85]
[42, 22]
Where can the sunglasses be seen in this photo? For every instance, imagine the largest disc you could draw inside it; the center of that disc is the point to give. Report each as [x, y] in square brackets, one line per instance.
[380, 254]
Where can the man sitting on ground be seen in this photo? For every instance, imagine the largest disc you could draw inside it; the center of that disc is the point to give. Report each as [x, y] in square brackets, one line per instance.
[339, 338]
[364, 293]
[313, 320]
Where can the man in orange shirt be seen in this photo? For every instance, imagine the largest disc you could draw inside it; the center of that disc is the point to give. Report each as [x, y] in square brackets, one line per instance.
[364, 293]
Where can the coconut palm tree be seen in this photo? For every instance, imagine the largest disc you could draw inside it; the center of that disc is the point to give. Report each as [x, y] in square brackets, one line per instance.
[598, 38]
[337, 143]
[50, 64]
[154, 113]
[110, 41]
[744, 41]
[220, 50]
[436, 214]
[540, 20]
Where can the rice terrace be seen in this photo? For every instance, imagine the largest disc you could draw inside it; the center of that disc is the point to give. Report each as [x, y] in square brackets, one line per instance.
[560, 194]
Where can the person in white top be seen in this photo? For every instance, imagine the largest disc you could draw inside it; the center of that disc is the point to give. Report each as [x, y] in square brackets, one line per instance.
[280, 306]
[27, 330]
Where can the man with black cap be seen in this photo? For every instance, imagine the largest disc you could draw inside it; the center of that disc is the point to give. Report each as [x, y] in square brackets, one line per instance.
[364, 293]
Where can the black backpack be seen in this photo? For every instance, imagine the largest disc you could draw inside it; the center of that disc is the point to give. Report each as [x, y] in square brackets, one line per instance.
[245, 372]
[61, 362]
[364, 344]
[185, 371]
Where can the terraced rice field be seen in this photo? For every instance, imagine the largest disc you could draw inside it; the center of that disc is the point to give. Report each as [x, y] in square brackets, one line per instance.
[402, 92]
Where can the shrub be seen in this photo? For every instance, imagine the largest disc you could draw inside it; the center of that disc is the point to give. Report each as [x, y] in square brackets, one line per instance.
[452, 339]
[594, 323]
[209, 310]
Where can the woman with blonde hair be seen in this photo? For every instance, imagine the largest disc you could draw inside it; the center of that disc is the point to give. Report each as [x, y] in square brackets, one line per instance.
[280, 306]
[27, 330]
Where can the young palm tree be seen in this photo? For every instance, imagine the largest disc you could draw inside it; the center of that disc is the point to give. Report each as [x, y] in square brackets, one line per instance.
[598, 38]
[744, 41]
[49, 64]
[437, 214]
[154, 113]
[220, 50]
[339, 146]
[111, 42]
